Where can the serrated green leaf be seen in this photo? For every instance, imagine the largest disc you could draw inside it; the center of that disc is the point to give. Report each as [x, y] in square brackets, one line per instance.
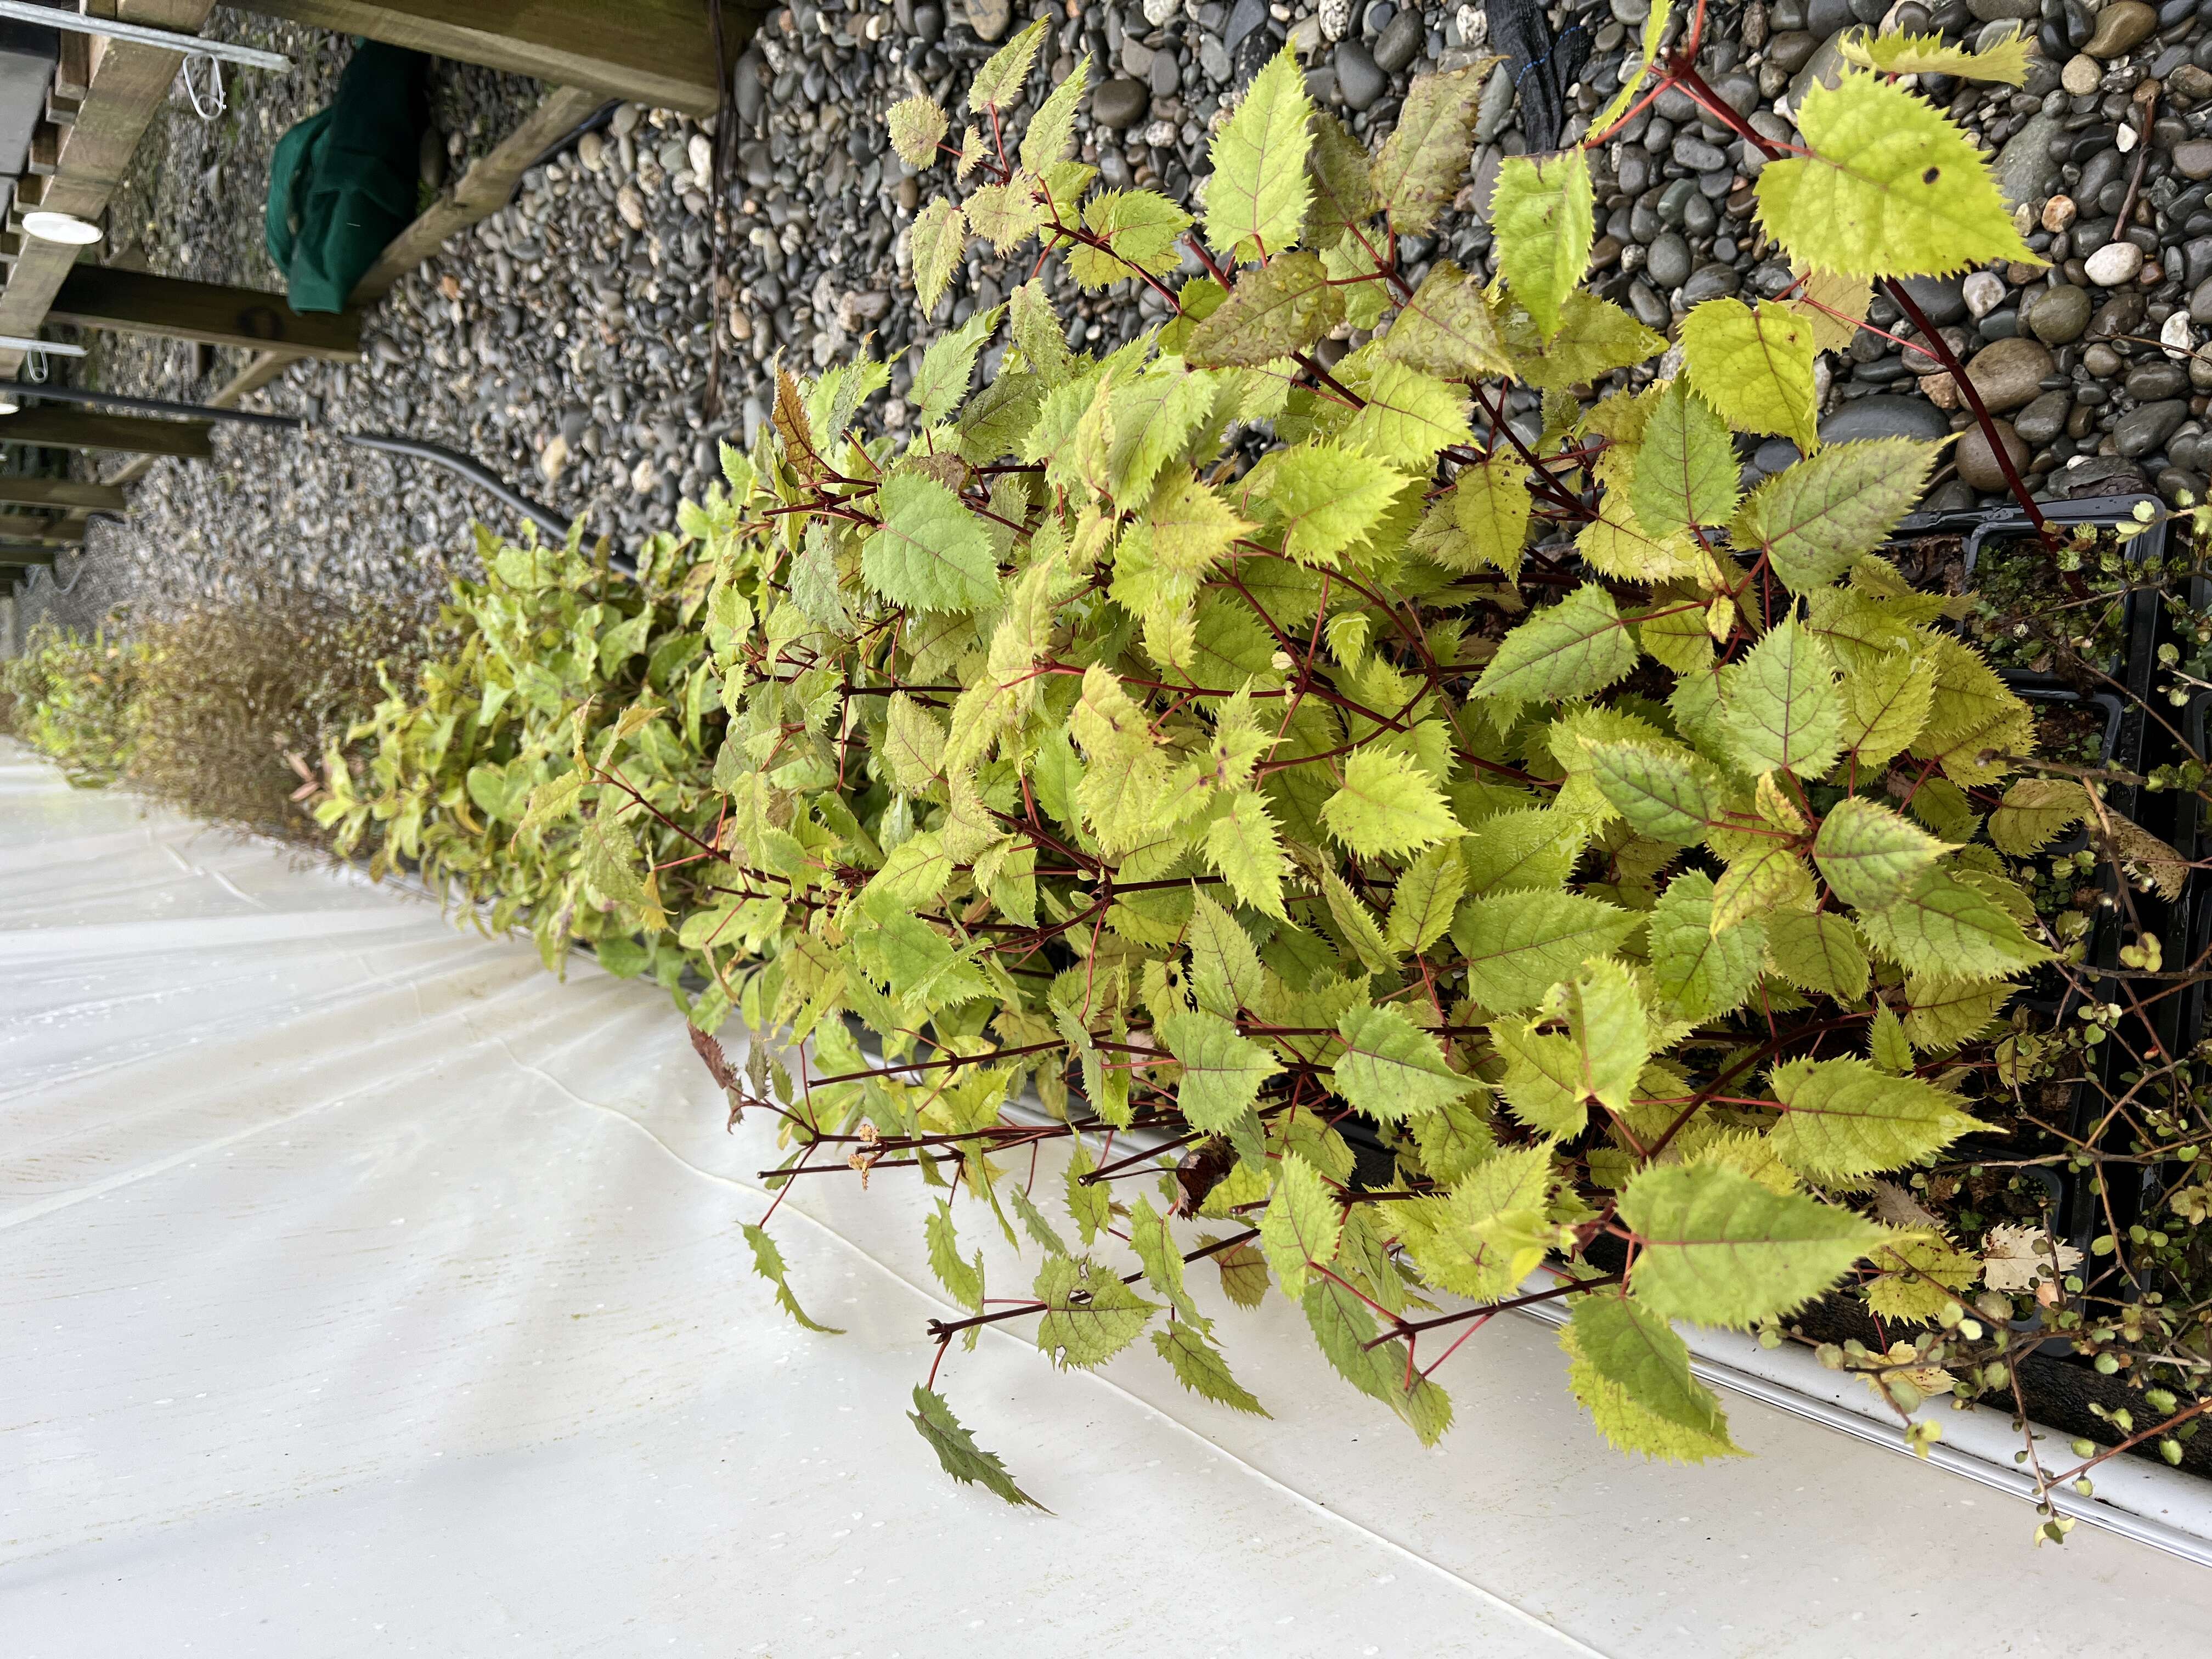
[2035, 811]
[1700, 974]
[1782, 706]
[1943, 929]
[1551, 1079]
[1243, 1272]
[1139, 229]
[1009, 213]
[1842, 1118]
[1520, 944]
[1869, 855]
[1423, 160]
[940, 384]
[1162, 1259]
[1490, 1233]
[1300, 1226]
[1090, 1315]
[917, 125]
[1686, 469]
[1408, 417]
[998, 83]
[1282, 308]
[1199, 1366]
[1324, 497]
[1387, 806]
[1594, 336]
[1891, 188]
[1717, 1248]
[1817, 951]
[1088, 1203]
[1755, 366]
[768, 1262]
[1192, 528]
[1357, 923]
[938, 239]
[1638, 1353]
[1255, 202]
[963, 1280]
[1491, 507]
[1246, 848]
[1446, 329]
[1815, 520]
[1763, 878]
[1052, 129]
[929, 553]
[1669, 796]
[1222, 1071]
[1343, 188]
[1885, 708]
[1429, 890]
[1630, 1426]
[2004, 61]
[1391, 1069]
[1544, 217]
[1570, 649]
[957, 1453]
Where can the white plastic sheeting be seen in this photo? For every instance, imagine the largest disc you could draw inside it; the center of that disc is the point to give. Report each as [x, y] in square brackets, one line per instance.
[365, 1290]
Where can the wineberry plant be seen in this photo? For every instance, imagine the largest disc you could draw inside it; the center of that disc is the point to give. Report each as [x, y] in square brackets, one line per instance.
[1458, 864]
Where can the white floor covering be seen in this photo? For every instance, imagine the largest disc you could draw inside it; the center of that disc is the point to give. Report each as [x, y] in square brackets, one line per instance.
[365, 1290]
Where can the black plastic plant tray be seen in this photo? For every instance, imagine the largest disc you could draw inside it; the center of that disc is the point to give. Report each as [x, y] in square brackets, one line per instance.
[1983, 529]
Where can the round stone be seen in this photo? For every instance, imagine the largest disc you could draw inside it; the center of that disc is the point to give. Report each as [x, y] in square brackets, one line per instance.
[1401, 41]
[1885, 416]
[2080, 75]
[2044, 419]
[2192, 159]
[1358, 76]
[2059, 315]
[2142, 430]
[2059, 213]
[1669, 261]
[2114, 263]
[1121, 103]
[2010, 373]
[989, 18]
[1978, 461]
[1983, 294]
[2121, 27]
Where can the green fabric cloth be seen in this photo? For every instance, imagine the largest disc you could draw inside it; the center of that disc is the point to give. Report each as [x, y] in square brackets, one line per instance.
[343, 182]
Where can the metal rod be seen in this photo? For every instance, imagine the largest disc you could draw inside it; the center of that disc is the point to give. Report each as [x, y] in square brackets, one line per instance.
[484, 479]
[51, 348]
[192, 45]
[69, 394]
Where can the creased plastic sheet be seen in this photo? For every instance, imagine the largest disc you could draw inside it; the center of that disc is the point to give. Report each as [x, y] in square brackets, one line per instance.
[365, 1290]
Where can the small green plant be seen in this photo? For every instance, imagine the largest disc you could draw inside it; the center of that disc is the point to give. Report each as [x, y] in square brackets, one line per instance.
[1238, 744]
[551, 661]
[70, 697]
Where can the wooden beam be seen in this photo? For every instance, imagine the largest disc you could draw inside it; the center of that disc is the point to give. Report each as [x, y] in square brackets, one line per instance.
[483, 190]
[653, 51]
[139, 302]
[266, 367]
[24, 555]
[61, 492]
[127, 83]
[52, 427]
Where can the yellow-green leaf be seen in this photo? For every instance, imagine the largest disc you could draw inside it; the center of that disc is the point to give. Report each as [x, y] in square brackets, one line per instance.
[1755, 366]
[1255, 202]
[1543, 215]
[1892, 188]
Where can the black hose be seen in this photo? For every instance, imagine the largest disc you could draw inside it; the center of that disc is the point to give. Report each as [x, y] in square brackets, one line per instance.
[481, 476]
[19, 390]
